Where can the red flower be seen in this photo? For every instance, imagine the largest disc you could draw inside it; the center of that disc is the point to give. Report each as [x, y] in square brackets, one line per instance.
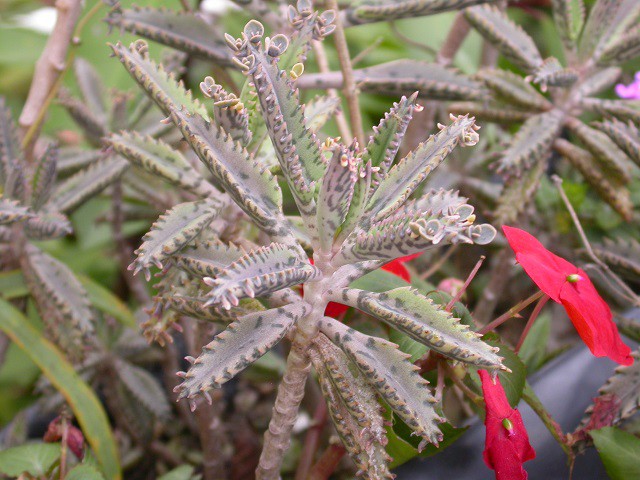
[507, 444]
[334, 310]
[570, 286]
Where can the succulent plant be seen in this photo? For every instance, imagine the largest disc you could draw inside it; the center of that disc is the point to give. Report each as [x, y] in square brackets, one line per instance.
[552, 114]
[357, 209]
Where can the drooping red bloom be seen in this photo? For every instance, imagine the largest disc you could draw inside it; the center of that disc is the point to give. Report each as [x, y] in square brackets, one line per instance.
[75, 439]
[571, 287]
[507, 444]
[334, 310]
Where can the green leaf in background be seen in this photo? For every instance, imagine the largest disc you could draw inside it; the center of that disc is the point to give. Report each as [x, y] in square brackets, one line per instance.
[12, 286]
[183, 472]
[408, 344]
[378, 281]
[534, 349]
[513, 383]
[36, 459]
[84, 472]
[619, 451]
[105, 301]
[84, 403]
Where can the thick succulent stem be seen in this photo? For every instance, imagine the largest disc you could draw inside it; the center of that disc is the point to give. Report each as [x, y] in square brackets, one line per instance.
[290, 392]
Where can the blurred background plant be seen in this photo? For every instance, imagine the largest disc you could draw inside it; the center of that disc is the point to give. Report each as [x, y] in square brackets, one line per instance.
[111, 203]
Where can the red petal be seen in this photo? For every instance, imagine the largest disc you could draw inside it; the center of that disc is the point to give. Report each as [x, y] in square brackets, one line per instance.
[548, 271]
[334, 310]
[505, 450]
[592, 318]
[398, 269]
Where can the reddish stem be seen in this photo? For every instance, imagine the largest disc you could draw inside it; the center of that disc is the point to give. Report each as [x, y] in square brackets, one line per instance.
[328, 462]
[458, 295]
[536, 311]
[311, 441]
[512, 312]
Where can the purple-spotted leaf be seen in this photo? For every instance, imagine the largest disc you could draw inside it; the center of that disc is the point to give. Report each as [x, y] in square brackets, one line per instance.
[598, 81]
[569, 18]
[254, 189]
[10, 150]
[517, 193]
[144, 387]
[259, 272]
[173, 231]
[509, 38]
[507, 85]
[397, 381]
[318, 111]
[47, 225]
[384, 11]
[532, 143]
[91, 87]
[43, 177]
[88, 182]
[407, 175]
[228, 111]
[62, 301]
[620, 109]
[12, 211]
[207, 258]
[181, 30]
[161, 160]
[162, 87]
[238, 346]
[419, 317]
[625, 135]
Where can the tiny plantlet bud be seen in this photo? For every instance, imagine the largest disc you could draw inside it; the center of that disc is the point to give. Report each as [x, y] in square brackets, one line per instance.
[296, 71]
[573, 278]
[508, 426]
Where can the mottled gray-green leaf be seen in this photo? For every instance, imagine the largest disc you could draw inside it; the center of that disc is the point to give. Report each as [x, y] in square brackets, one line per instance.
[72, 159]
[207, 258]
[517, 193]
[181, 30]
[162, 87]
[417, 227]
[491, 112]
[228, 111]
[319, 110]
[625, 48]
[12, 211]
[93, 127]
[254, 189]
[172, 231]
[44, 177]
[259, 272]
[607, 22]
[392, 375]
[335, 194]
[404, 177]
[91, 87]
[508, 85]
[384, 143]
[613, 160]
[61, 300]
[622, 255]
[195, 307]
[88, 182]
[144, 387]
[342, 398]
[601, 180]
[532, 143]
[569, 18]
[242, 343]
[419, 317]
[599, 81]
[367, 11]
[47, 225]
[161, 160]
[620, 109]
[509, 38]
[625, 135]
[10, 150]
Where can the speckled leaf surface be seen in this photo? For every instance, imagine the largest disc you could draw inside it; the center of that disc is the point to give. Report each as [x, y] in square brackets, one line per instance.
[625, 135]
[207, 258]
[43, 177]
[404, 177]
[509, 38]
[12, 211]
[10, 149]
[162, 87]
[259, 272]
[512, 87]
[181, 30]
[144, 387]
[241, 344]
[47, 225]
[172, 231]
[392, 375]
[161, 160]
[62, 301]
[318, 111]
[254, 189]
[419, 317]
[88, 182]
